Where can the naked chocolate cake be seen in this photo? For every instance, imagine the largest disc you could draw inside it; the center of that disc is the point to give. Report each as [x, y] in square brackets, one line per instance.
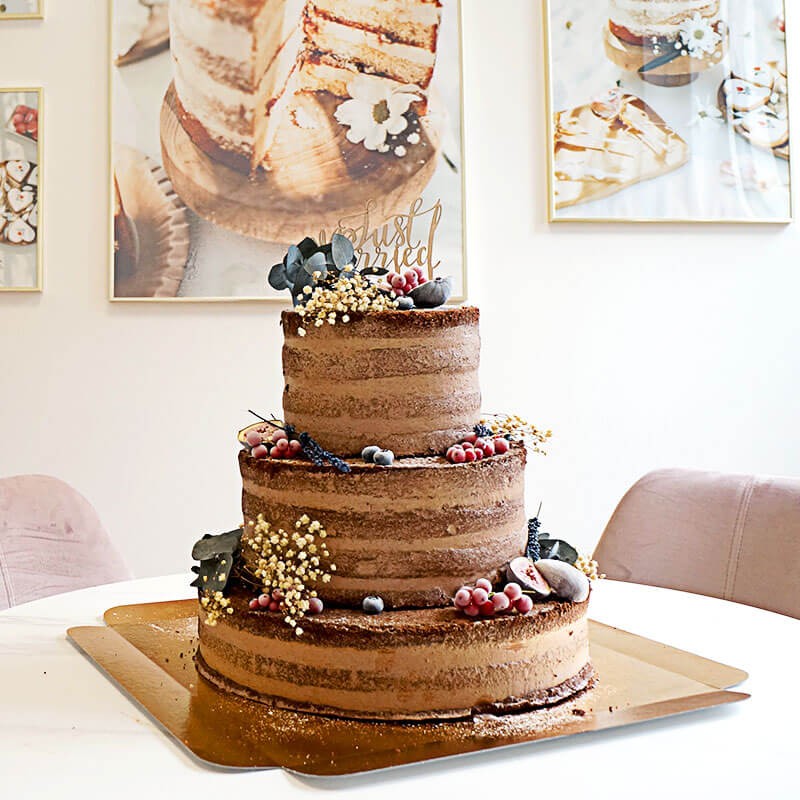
[386, 568]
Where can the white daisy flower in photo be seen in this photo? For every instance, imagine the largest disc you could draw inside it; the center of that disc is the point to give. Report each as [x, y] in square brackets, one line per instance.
[698, 36]
[705, 112]
[375, 111]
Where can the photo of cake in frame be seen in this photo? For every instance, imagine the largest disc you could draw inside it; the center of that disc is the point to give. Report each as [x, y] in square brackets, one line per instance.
[667, 42]
[275, 118]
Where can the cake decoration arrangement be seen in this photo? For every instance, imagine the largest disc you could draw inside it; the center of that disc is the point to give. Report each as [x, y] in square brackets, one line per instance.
[384, 515]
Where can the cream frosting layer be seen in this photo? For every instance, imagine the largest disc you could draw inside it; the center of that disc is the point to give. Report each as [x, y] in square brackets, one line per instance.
[412, 533]
[434, 663]
[406, 382]
[662, 18]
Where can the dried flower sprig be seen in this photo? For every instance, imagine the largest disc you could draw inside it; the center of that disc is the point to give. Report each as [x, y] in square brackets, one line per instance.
[290, 563]
[336, 300]
[589, 567]
[215, 604]
[518, 429]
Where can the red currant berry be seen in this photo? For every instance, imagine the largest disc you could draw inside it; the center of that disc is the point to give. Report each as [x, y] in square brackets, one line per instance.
[483, 583]
[478, 454]
[397, 281]
[471, 455]
[501, 602]
[501, 445]
[488, 449]
[315, 605]
[273, 606]
[420, 272]
[472, 610]
[479, 596]
[254, 438]
[524, 604]
[259, 452]
[282, 445]
[253, 604]
[463, 597]
[487, 609]
[278, 436]
[513, 591]
[264, 600]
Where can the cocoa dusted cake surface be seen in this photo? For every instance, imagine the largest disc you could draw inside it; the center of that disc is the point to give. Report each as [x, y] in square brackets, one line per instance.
[423, 664]
[412, 533]
[406, 381]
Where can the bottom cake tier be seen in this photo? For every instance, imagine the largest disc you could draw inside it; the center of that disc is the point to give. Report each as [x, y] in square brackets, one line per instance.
[400, 665]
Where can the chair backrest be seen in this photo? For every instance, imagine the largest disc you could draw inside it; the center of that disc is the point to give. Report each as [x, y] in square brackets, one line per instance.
[51, 541]
[736, 537]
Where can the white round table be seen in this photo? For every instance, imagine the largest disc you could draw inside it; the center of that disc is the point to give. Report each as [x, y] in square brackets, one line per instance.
[67, 732]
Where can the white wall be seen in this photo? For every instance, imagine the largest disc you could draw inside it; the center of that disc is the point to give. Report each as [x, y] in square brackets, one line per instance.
[640, 346]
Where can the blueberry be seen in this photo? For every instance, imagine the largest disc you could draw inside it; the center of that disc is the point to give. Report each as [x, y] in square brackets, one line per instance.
[405, 304]
[384, 458]
[372, 605]
[369, 453]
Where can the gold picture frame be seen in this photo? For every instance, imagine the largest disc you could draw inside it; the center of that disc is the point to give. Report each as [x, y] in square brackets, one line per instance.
[553, 215]
[38, 14]
[460, 297]
[7, 249]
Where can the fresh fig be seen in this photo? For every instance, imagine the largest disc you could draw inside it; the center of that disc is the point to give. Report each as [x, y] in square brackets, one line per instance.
[567, 582]
[432, 294]
[523, 571]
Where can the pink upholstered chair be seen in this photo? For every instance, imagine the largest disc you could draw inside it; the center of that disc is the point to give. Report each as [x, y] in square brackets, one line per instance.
[51, 541]
[736, 537]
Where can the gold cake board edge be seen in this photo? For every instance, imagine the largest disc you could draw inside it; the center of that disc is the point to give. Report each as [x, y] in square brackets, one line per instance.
[145, 650]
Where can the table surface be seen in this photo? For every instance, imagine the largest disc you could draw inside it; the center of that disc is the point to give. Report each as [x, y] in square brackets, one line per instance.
[67, 732]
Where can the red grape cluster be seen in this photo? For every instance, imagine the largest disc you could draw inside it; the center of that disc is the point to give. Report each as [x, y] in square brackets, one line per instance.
[404, 283]
[475, 447]
[272, 602]
[278, 445]
[25, 121]
[481, 601]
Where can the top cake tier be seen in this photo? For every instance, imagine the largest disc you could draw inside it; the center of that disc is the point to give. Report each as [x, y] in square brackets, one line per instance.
[406, 381]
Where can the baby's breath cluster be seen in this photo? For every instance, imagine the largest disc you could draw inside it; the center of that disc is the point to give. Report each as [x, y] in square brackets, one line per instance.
[350, 293]
[518, 429]
[589, 567]
[215, 605]
[290, 563]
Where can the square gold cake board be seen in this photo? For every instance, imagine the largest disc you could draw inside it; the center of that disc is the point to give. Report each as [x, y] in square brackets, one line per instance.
[147, 650]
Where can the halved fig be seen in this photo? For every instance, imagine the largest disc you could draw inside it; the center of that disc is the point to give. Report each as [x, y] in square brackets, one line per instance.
[522, 571]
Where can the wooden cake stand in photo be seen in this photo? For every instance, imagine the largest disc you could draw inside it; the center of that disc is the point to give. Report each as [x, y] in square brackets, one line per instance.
[317, 181]
[154, 266]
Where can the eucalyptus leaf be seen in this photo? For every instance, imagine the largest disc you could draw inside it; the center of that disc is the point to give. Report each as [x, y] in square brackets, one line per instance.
[294, 262]
[278, 279]
[307, 247]
[210, 546]
[213, 573]
[316, 263]
[557, 550]
[343, 251]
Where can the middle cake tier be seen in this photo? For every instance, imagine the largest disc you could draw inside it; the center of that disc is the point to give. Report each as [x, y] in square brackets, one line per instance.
[412, 533]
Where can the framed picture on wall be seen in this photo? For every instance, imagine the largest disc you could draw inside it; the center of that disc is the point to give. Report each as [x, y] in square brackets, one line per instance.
[21, 9]
[228, 146]
[20, 181]
[660, 113]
